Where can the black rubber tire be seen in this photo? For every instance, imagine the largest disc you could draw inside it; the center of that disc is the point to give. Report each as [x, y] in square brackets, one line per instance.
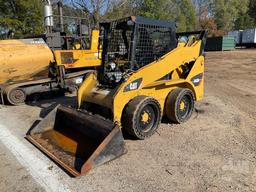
[131, 118]
[16, 96]
[172, 105]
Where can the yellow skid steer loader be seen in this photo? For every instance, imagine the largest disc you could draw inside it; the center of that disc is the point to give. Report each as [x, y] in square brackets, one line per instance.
[148, 70]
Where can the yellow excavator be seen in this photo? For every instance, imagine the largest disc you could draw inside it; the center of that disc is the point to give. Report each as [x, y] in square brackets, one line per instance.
[54, 61]
[148, 71]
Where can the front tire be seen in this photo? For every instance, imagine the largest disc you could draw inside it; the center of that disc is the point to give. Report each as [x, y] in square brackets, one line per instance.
[180, 105]
[141, 117]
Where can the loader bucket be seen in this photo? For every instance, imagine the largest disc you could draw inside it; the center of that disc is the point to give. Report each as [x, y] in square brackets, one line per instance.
[77, 141]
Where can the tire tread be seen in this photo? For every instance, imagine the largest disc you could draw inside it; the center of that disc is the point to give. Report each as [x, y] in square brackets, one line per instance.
[129, 120]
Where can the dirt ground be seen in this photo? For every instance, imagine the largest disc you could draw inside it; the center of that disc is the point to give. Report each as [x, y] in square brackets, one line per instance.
[214, 151]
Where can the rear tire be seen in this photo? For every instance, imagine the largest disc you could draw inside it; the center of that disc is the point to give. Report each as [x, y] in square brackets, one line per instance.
[16, 96]
[179, 105]
[141, 117]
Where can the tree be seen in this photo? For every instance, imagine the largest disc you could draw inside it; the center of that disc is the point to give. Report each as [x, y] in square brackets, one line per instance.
[244, 22]
[227, 12]
[251, 11]
[187, 10]
[203, 11]
[247, 20]
[93, 9]
[181, 11]
[119, 9]
[155, 9]
[209, 24]
[24, 17]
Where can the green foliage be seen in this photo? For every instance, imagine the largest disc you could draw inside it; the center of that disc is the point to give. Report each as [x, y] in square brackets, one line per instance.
[22, 16]
[155, 9]
[228, 13]
[181, 11]
[251, 11]
[244, 22]
[247, 19]
[187, 16]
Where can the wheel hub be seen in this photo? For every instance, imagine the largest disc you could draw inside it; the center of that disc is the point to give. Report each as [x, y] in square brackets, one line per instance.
[182, 105]
[17, 96]
[145, 117]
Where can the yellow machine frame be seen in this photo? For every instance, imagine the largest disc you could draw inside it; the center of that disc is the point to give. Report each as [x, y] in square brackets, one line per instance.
[21, 70]
[136, 101]
[78, 58]
[117, 99]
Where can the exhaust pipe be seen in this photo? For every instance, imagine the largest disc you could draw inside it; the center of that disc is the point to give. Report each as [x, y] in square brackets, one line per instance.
[48, 15]
[60, 8]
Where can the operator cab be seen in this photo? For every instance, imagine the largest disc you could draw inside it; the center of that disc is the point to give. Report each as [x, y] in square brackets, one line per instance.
[131, 43]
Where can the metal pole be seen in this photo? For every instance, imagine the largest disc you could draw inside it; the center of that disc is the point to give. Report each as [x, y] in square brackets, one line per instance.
[60, 8]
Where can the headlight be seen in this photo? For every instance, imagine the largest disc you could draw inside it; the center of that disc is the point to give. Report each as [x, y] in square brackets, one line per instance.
[196, 80]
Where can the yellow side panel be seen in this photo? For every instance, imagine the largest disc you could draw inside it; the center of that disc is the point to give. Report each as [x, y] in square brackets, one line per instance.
[77, 58]
[23, 59]
[80, 58]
